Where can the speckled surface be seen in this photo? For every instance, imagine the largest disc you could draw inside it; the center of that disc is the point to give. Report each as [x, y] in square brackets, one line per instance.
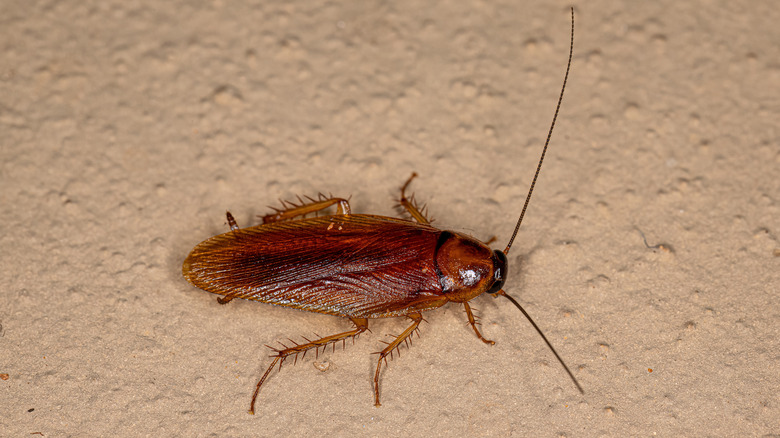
[128, 128]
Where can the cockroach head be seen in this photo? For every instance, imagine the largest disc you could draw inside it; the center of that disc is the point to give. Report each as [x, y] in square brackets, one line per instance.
[467, 267]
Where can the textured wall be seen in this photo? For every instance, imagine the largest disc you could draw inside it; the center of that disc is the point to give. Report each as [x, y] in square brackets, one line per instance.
[128, 128]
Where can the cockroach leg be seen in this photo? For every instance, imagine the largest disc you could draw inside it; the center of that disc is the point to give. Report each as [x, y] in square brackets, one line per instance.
[291, 210]
[417, 318]
[409, 204]
[361, 325]
[231, 221]
[226, 299]
[473, 323]
[233, 227]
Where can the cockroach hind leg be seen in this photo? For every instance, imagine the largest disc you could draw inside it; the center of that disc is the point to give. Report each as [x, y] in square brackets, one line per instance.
[417, 319]
[260, 383]
[473, 322]
[361, 325]
[231, 221]
[410, 205]
[291, 210]
[226, 299]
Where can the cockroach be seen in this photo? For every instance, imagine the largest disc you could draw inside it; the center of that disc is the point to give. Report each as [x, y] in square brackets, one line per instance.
[356, 266]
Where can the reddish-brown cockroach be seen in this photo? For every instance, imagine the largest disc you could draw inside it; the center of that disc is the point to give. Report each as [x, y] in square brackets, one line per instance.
[356, 266]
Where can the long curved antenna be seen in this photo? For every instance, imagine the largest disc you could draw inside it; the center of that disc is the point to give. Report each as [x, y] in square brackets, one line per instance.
[573, 379]
[549, 134]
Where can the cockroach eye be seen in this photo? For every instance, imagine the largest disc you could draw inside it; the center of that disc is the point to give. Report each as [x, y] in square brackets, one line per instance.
[499, 271]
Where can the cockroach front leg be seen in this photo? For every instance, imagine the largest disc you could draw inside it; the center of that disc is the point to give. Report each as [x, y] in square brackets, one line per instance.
[417, 318]
[291, 210]
[409, 204]
[361, 325]
[473, 322]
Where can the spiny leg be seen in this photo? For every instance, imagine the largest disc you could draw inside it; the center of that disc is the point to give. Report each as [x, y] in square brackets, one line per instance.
[417, 318]
[409, 204]
[291, 210]
[361, 325]
[473, 323]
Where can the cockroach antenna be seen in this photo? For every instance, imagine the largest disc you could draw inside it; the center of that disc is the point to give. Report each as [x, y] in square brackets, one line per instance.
[547, 142]
[525, 206]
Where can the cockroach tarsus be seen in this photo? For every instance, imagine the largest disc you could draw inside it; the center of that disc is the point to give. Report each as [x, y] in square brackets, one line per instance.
[356, 266]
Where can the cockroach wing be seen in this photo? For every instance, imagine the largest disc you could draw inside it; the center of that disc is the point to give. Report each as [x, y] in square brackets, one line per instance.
[358, 266]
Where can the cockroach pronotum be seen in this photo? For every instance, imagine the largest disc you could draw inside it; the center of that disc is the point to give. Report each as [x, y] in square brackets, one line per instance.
[356, 266]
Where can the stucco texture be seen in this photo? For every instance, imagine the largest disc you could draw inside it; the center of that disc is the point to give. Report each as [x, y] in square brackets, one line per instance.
[649, 254]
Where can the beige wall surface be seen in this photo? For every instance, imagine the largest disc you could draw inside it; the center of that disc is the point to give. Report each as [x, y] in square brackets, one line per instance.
[649, 255]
